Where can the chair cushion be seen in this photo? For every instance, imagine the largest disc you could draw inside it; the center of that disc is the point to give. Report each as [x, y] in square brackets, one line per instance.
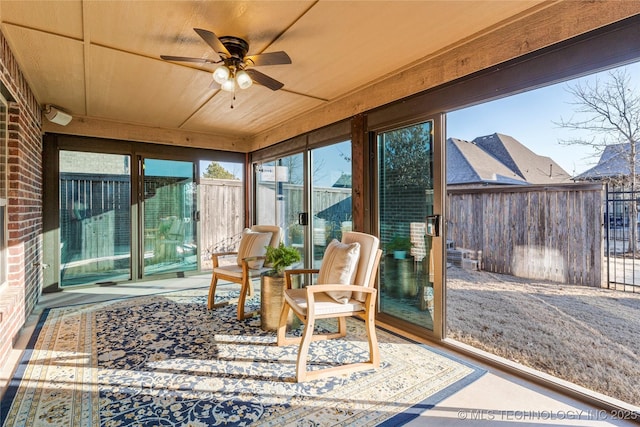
[253, 244]
[339, 265]
[323, 304]
[233, 270]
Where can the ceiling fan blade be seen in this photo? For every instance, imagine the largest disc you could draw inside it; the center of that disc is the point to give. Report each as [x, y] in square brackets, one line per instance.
[186, 59]
[212, 40]
[264, 80]
[270, 58]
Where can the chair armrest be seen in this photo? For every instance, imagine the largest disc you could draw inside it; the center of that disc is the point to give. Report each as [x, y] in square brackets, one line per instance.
[297, 272]
[219, 254]
[301, 271]
[337, 287]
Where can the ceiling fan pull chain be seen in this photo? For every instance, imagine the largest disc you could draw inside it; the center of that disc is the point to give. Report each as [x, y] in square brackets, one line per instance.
[235, 85]
[234, 97]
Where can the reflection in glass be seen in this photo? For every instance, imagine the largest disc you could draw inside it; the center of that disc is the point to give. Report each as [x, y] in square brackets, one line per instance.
[405, 164]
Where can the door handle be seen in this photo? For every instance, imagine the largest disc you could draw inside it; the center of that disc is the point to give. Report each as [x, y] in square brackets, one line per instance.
[303, 218]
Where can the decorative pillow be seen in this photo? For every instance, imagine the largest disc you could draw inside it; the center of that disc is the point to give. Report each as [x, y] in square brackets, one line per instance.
[339, 265]
[253, 244]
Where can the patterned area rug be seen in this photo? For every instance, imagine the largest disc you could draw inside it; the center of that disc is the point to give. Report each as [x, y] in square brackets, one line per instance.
[166, 361]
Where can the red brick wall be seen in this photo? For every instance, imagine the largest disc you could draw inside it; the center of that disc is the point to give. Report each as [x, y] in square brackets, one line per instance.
[24, 210]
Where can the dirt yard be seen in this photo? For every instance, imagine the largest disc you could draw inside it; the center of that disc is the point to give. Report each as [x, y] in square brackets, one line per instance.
[590, 337]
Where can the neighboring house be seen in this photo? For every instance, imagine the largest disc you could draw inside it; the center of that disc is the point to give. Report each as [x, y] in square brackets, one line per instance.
[499, 159]
[613, 164]
[613, 167]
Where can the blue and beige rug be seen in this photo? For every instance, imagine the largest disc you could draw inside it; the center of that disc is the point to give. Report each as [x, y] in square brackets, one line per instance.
[166, 361]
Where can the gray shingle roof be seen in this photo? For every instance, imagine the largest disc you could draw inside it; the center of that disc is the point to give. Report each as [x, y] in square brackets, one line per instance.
[531, 167]
[499, 159]
[613, 163]
[469, 164]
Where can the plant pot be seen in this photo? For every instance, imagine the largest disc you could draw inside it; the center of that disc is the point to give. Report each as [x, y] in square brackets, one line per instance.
[271, 302]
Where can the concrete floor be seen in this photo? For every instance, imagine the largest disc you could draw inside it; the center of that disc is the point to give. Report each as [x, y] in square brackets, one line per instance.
[496, 398]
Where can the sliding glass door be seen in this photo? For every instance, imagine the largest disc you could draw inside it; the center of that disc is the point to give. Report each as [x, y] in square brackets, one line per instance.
[168, 216]
[94, 202]
[407, 224]
[280, 198]
[136, 211]
[309, 195]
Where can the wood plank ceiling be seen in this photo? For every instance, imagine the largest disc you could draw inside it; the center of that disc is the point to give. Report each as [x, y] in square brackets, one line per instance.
[100, 60]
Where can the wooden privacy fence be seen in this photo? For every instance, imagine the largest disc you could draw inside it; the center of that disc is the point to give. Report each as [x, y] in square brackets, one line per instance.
[222, 211]
[221, 215]
[333, 207]
[97, 242]
[536, 232]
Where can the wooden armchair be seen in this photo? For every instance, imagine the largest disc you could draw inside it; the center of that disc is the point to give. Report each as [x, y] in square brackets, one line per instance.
[345, 288]
[249, 264]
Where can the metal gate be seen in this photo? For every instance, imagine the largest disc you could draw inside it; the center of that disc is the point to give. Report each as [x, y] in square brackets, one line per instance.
[622, 243]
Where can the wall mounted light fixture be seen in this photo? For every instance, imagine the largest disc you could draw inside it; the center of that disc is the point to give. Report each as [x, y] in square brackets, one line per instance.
[57, 116]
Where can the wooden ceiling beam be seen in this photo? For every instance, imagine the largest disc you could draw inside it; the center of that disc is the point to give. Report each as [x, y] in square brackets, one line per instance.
[85, 126]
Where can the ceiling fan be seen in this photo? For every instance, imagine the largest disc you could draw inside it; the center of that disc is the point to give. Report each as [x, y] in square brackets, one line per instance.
[235, 71]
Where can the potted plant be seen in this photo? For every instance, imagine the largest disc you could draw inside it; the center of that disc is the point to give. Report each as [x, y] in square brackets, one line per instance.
[399, 246]
[280, 258]
[272, 285]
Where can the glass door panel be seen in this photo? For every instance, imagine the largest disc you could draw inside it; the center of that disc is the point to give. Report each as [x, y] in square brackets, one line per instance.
[95, 218]
[280, 197]
[221, 205]
[405, 195]
[168, 226]
[266, 190]
[331, 196]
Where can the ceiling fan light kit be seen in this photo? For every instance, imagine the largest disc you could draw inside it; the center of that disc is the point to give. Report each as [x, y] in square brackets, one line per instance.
[234, 69]
[221, 74]
[228, 85]
[228, 78]
[243, 79]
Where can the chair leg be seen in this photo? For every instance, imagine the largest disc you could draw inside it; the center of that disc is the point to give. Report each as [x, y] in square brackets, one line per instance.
[342, 327]
[303, 351]
[374, 349]
[212, 292]
[245, 289]
[281, 332]
[282, 325]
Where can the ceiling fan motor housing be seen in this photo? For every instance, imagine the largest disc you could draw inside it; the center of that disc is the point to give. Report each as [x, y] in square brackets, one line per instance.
[236, 46]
